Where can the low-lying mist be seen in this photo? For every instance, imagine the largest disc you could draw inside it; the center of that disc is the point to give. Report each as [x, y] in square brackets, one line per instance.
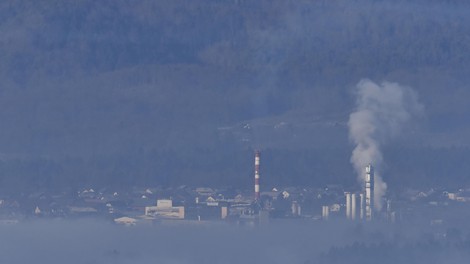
[91, 241]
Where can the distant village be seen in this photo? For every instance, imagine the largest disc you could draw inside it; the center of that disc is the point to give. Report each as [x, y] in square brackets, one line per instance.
[187, 205]
[199, 205]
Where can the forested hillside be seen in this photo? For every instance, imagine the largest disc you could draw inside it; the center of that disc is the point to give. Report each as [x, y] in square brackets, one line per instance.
[181, 92]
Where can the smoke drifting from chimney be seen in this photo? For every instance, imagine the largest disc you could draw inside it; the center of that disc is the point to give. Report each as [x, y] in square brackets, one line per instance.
[382, 111]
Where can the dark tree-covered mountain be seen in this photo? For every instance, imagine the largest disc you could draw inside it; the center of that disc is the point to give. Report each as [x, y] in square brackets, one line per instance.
[181, 92]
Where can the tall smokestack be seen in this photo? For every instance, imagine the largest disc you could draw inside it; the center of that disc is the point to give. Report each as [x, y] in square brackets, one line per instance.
[353, 206]
[369, 185]
[257, 196]
[361, 206]
[325, 212]
[348, 205]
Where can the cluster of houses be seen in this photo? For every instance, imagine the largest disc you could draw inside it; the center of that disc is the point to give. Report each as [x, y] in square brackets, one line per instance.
[201, 205]
[207, 205]
[150, 205]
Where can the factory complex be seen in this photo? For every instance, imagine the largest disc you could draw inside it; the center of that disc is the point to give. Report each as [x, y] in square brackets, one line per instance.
[258, 206]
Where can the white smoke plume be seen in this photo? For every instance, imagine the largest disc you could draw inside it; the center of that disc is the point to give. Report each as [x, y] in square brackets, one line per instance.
[382, 111]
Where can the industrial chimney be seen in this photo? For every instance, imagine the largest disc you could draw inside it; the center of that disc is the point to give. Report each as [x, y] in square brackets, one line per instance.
[257, 196]
[361, 206]
[353, 206]
[348, 205]
[369, 191]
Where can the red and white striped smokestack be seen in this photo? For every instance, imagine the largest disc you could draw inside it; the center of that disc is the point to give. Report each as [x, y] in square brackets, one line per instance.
[257, 175]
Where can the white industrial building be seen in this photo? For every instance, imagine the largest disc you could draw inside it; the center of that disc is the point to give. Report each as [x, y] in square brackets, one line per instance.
[165, 210]
[127, 221]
